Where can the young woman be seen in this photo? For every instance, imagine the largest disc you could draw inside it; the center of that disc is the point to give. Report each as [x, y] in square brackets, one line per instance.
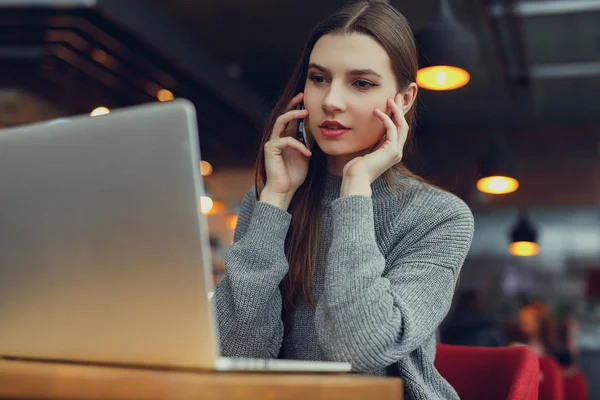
[340, 253]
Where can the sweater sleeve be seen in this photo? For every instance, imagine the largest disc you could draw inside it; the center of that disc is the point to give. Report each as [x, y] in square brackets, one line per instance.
[374, 311]
[247, 301]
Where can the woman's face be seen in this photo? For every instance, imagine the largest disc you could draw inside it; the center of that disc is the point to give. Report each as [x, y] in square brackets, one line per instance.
[348, 77]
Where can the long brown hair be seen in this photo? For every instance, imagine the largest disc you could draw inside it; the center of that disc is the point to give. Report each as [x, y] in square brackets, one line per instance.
[388, 27]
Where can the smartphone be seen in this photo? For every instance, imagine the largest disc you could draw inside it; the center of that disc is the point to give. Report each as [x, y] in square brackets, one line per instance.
[300, 130]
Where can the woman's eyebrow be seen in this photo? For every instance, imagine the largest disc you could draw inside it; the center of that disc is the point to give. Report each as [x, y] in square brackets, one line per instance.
[365, 71]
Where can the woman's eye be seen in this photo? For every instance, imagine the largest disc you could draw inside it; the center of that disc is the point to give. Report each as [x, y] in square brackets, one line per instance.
[317, 78]
[362, 84]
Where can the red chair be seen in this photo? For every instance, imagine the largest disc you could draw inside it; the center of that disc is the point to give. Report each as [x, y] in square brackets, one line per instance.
[491, 373]
[576, 387]
[551, 383]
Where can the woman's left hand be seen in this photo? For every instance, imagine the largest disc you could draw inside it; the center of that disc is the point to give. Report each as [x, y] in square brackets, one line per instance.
[360, 172]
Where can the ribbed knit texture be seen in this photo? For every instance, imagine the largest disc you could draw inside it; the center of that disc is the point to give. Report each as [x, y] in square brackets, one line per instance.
[386, 271]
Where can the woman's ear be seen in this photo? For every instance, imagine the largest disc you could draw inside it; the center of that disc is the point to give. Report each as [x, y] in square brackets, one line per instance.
[406, 99]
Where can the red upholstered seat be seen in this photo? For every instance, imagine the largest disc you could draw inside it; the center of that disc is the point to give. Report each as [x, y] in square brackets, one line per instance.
[491, 373]
[551, 385]
[575, 387]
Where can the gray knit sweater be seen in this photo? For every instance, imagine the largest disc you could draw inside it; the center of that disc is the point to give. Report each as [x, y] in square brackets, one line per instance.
[384, 280]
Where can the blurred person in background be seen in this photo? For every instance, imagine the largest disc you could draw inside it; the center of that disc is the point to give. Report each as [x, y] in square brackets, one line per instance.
[468, 325]
[539, 326]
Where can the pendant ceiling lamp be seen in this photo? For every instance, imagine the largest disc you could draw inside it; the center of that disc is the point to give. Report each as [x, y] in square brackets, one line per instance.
[447, 51]
[523, 238]
[497, 169]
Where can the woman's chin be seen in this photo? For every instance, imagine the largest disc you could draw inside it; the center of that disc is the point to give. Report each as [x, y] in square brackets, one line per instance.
[333, 152]
[334, 149]
[338, 149]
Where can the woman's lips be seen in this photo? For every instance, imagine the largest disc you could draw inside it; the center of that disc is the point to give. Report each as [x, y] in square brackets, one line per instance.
[333, 132]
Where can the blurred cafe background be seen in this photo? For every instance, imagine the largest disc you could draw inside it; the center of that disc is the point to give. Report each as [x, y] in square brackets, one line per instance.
[513, 129]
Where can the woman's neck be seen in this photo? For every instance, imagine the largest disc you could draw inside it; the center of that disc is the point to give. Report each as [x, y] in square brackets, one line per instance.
[336, 164]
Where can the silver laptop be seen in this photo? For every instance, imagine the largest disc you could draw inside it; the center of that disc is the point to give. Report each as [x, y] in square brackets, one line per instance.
[104, 255]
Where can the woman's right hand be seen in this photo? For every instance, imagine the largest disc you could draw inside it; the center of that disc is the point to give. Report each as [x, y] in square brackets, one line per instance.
[286, 158]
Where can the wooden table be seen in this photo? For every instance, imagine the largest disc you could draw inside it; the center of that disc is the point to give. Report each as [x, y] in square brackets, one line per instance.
[40, 380]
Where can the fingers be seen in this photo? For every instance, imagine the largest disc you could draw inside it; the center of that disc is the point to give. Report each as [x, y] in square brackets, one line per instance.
[399, 120]
[391, 129]
[397, 113]
[277, 146]
[282, 121]
[378, 145]
[396, 125]
[297, 99]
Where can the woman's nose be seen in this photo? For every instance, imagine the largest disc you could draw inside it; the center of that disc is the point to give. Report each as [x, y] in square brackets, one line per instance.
[333, 102]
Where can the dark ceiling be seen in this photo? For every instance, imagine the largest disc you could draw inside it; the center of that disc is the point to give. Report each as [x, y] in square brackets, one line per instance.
[536, 80]
[263, 38]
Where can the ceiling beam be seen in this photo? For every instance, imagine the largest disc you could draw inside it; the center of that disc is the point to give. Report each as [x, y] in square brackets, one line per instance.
[48, 3]
[546, 7]
[566, 70]
[33, 52]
